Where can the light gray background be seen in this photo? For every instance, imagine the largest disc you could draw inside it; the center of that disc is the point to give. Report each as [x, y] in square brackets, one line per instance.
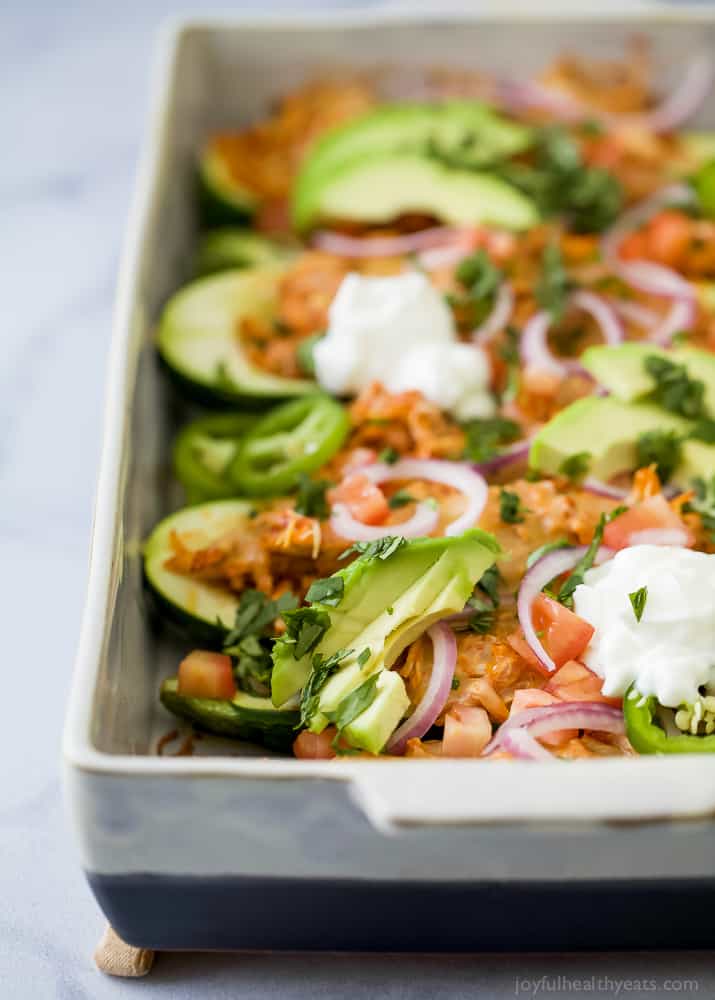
[73, 84]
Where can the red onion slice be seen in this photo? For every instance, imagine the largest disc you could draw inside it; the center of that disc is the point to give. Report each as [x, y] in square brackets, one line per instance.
[633, 218]
[601, 489]
[635, 312]
[444, 648]
[522, 745]
[458, 475]
[422, 522]
[544, 570]
[445, 256]
[570, 715]
[498, 317]
[672, 112]
[534, 348]
[679, 317]
[517, 452]
[387, 246]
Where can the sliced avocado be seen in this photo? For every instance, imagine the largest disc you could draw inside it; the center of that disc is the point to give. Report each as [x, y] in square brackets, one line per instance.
[608, 429]
[622, 370]
[233, 247]
[199, 338]
[385, 605]
[223, 200]
[245, 717]
[698, 147]
[381, 188]
[373, 727]
[466, 132]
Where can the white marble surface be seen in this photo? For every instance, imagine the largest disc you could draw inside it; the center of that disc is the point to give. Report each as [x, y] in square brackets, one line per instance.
[73, 81]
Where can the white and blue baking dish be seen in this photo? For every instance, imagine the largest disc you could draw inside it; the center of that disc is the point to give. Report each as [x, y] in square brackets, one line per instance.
[230, 850]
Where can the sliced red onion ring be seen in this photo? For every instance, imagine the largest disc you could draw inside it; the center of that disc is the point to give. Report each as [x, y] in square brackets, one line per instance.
[422, 522]
[680, 316]
[635, 312]
[458, 475]
[601, 489]
[498, 317]
[570, 715]
[660, 536]
[522, 745]
[534, 346]
[444, 660]
[509, 456]
[544, 570]
[387, 246]
[654, 279]
[445, 256]
[672, 112]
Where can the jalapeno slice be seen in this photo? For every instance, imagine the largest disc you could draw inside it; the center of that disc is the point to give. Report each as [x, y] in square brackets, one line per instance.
[297, 437]
[203, 451]
[647, 736]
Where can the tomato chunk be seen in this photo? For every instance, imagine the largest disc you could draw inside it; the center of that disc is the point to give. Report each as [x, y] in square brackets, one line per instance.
[203, 674]
[315, 746]
[520, 646]
[563, 634]
[668, 236]
[467, 730]
[575, 682]
[365, 501]
[653, 514]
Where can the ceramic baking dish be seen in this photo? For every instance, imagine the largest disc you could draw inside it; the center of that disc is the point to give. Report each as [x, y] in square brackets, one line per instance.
[227, 849]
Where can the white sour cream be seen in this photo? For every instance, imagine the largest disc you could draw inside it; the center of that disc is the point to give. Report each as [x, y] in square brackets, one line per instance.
[670, 652]
[399, 331]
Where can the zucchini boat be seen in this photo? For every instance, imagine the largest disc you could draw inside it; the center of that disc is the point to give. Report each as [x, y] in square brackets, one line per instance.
[245, 717]
[232, 247]
[223, 200]
[203, 611]
[199, 339]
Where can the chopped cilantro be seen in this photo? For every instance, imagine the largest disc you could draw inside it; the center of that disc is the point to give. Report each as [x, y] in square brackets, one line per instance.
[554, 285]
[389, 456]
[455, 683]
[659, 448]
[478, 275]
[482, 621]
[381, 548]
[511, 510]
[355, 703]
[565, 595]
[703, 503]
[575, 467]
[246, 643]
[400, 499]
[483, 437]
[638, 599]
[310, 500]
[304, 630]
[489, 584]
[390, 610]
[674, 389]
[322, 670]
[703, 430]
[327, 591]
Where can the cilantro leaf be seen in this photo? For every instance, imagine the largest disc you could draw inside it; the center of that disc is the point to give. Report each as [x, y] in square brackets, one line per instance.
[703, 430]
[389, 456]
[703, 503]
[483, 437]
[381, 548]
[565, 594]
[246, 642]
[304, 630]
[400, 499]
[311, 500]
[511, 510]
[576, 466]
[482, 621]
[489, 584]
[554, 285]
[659, 448]
[479, 275]
[355, 703]
[326, 591]
[322, 670]
[638, 599]
[674, 389]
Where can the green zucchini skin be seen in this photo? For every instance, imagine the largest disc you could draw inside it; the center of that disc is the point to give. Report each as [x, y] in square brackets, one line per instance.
[214, 609]
[221, 202]
[269, 727]
[235, 247]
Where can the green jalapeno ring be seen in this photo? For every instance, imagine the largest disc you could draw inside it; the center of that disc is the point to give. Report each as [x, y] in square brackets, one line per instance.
[297, 437]
[646, 736]
[204, 449]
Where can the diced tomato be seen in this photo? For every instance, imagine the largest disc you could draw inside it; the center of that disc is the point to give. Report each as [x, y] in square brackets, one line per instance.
[668, 236]
[575, 682]
[273, 216]
[203, 674]
[653, 514]
[563, 634]
[365, 501]
[467, 730]
[634, 246]
[519, 644]
[537, 698]
[315, 746]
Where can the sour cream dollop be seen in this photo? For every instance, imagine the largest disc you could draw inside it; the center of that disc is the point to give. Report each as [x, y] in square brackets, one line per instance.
[398, 330]
[670, 652]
